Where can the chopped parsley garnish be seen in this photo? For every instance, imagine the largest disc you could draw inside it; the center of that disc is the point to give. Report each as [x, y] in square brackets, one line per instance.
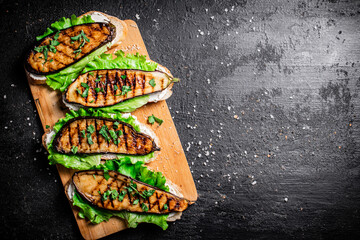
[86, 91]
[114, 194]
[123, 76]
[115, 87]
[103, 132]
[133, 187]
[98, 78]
[147, 193]
[47, 126]
[97, 90]
[106, 195]
[152, 119]
[82, 39]
[90, 128]
[136, 202]
[106, 175]
[92, 101]
[119, 133]
[89, 139]
[110, 193]
[114, 136]
[144, 207]
[122, 195]
[165, 207]
[125, 90]
[94, 176]
[46, 48]
[82, 132]
[152, 82]
[85, 85]
[74, 149]
[91, 73]
[116, 125]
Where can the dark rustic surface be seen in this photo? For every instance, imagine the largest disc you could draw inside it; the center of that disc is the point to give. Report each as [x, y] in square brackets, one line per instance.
[268, 109]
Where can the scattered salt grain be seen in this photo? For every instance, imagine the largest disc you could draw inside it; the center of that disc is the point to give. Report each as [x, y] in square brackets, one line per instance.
[253, 183]
[4, 96]
[216, 48]
[137, 16]
[286, 199]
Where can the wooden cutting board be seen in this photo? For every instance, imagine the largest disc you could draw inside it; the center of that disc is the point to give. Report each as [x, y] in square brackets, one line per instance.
[171, 160]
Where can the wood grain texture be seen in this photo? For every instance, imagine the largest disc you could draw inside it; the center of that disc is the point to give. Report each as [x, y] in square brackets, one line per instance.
[171, 161]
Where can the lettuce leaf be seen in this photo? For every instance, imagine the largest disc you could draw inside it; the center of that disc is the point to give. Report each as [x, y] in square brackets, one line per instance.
[65, 23]
[130, 61]
[62, 79]
[137, 171]
[83, 161]
[128, 105]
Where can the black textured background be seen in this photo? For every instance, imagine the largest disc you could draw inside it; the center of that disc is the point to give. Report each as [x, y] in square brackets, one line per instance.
[288, 167]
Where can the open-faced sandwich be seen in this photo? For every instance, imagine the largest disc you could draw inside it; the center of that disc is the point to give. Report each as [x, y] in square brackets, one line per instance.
[84, 137]
[133, 192]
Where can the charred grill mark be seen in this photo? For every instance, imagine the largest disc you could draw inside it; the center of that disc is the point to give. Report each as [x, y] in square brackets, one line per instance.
[106, 85]
[134, 84]
[134, 141]
[125, 138]
[116, 83]
[64, 54]
[96, 85]
[143, 84]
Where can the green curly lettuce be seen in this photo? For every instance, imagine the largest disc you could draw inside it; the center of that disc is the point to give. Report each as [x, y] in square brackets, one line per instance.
[84, 161]
[65, 23]
[137, 171]
[121, 61]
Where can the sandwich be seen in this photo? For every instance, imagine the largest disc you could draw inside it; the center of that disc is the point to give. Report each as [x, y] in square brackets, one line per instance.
[119, 83]
[69, 44]
[84, 137]
[132, 192]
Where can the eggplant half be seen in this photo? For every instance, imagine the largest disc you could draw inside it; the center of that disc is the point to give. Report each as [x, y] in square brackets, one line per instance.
[101, 88]
[66, 47]
[120, 192]
[102, 135]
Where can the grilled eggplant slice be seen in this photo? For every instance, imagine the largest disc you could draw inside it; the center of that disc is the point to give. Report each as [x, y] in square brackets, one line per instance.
[121, 192]
[109, 87]
[102, 135]
[66, 47]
